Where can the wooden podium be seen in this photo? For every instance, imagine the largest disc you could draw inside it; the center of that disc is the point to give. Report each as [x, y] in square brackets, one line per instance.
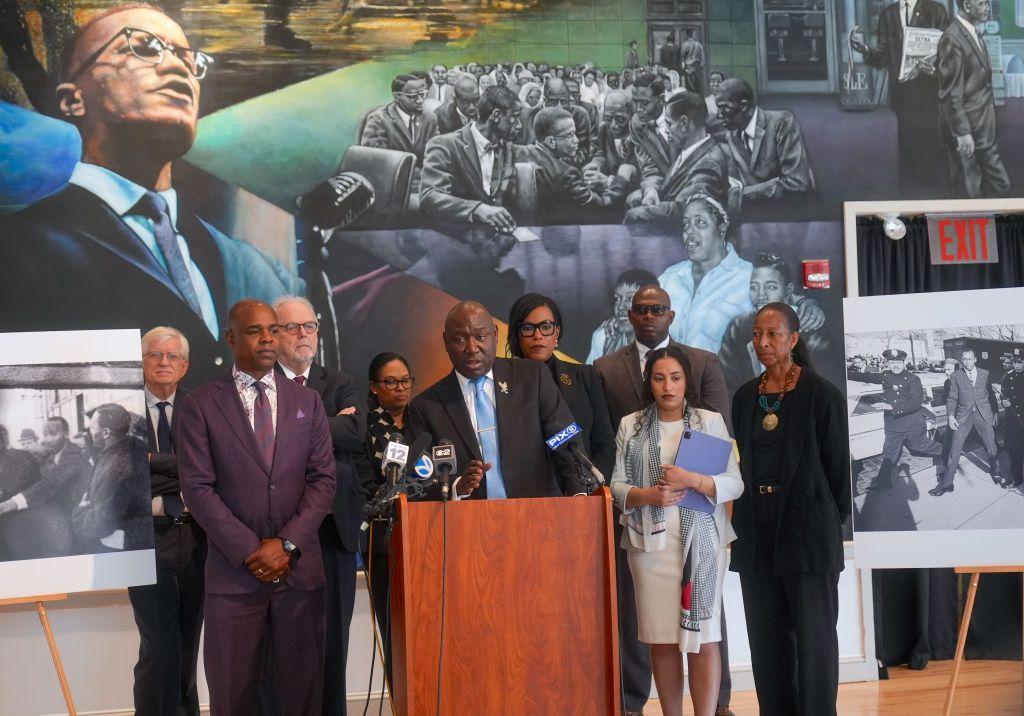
[531, 614]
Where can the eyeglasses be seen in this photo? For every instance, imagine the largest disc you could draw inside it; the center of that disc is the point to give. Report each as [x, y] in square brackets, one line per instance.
[546, 328]
[570, 135]
[150, 49]
[160, 355]
[293, 328]
[655, 309]
[392, 383]
[418, 94]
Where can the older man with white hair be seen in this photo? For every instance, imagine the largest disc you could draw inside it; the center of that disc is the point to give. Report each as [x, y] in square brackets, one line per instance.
[298, 341]
[169, 614]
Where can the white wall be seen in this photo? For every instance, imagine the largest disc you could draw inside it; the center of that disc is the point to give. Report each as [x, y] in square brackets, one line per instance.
[98, 642]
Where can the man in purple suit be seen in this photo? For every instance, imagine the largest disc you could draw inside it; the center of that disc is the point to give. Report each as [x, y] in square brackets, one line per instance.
[257, 473]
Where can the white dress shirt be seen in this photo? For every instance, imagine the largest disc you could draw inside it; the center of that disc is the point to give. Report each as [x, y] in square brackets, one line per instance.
[469, 394]
[906, 10]
[121, 195]
[644, 350]
[154, 414]
[291, 374]
[687, 153]
[485, 156]
[750, 131]
[971, 30]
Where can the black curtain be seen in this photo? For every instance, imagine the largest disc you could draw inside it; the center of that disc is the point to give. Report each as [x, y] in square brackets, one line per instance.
[916, 614]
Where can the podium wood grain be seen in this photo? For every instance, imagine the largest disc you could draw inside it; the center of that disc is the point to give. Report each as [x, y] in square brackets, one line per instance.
[530, 626]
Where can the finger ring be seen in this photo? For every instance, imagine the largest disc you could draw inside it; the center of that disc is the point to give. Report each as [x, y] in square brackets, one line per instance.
[259, 571]
[277, 580]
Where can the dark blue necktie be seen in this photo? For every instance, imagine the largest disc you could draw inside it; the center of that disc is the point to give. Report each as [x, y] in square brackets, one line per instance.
[263, 424]
[164, 443]
[154, 207]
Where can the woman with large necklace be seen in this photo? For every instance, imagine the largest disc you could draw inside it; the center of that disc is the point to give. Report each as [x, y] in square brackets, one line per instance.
[791, 428]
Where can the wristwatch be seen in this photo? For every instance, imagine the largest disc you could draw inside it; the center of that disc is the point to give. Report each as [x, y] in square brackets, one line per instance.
[289, 548]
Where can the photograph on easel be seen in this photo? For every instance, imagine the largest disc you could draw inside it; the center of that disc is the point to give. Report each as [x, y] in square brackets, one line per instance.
[74, 474]
[935, 399]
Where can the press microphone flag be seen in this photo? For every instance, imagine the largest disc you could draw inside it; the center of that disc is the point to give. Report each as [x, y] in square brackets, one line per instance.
[563, 436]
[568, 434]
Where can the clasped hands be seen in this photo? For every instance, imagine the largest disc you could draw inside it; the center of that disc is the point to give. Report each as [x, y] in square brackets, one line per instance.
[674, 482]
[269, 563]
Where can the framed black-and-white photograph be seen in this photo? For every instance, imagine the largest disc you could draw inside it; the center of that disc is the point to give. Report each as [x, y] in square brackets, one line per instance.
[74, 476]
[935, 396]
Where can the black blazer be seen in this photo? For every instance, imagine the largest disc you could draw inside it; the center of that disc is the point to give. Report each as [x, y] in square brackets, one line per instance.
[529, 412]
[583, 392]
[347, 433]
[815, 478]
[176, 546]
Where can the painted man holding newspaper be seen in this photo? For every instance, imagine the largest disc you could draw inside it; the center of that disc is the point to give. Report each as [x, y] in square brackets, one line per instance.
[908, 35]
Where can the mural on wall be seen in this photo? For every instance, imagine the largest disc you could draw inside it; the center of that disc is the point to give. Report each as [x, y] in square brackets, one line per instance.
[572, 148]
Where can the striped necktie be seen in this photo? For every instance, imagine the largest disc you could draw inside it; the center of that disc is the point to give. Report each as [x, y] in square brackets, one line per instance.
[154, 207]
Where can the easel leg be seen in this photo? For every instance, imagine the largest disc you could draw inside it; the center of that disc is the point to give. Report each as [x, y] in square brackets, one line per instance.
[57, 664]
[961, 641]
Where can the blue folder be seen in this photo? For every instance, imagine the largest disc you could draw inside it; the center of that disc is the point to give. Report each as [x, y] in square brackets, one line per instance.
[706, 454]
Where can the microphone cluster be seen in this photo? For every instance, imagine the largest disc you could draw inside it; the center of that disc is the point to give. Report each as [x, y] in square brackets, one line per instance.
[411, 470]
[569, 437]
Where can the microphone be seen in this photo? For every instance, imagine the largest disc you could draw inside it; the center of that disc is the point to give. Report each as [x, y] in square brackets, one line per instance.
[337, 202]
[444, 464]
[569, 434]
[420, 449]
[396, 455]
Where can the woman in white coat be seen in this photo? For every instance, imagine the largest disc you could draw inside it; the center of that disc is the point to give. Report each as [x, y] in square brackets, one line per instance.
[677, 555]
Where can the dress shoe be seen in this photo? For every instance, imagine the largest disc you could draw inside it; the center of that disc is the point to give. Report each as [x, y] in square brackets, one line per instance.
[939, 490]
[724, 711]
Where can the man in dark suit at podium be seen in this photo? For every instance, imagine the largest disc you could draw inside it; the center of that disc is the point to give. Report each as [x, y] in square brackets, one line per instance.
[339, 532]
[622, 375]
[497, 412]
[169, 614]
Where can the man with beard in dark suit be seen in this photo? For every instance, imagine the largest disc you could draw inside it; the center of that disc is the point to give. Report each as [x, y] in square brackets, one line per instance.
[497, 413]
[622, 375]
[556, 94]
[403, 125]
[339, 532]
[131, 86]
[169, 614]
[768, 150]
[561, 190]
[468, 175]
[701, 164]
[460, 110]
[968, 108]
[114, 515]
[915, 100]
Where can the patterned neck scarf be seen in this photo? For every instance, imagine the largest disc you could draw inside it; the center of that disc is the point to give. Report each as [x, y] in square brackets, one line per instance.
[697, 530]
[382, 429]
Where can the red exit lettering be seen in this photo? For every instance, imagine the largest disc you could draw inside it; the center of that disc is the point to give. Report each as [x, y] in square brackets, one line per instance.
[961, 240]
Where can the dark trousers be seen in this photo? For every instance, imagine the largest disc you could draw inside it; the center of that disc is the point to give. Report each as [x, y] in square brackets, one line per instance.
[980, 175]
[340, 599]
[236, 625]
[634, 655]
[380, 586]
[917, 441]
[791, 625]
[1014, 438]
[973, 422]
[169, 615]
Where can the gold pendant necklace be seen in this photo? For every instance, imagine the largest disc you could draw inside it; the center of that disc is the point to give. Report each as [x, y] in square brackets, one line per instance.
[771, 419]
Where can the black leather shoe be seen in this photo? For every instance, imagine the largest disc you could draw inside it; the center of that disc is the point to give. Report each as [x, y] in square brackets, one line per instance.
[940, 490]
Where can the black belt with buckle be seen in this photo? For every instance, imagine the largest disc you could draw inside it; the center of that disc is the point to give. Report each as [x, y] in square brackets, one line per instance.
[769, 489]
[185, 519]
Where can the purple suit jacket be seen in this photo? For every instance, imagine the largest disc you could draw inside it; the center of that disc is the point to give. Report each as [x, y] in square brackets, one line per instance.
[237, 499]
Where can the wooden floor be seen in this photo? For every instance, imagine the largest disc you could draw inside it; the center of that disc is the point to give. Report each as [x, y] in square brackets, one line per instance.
[993, 688]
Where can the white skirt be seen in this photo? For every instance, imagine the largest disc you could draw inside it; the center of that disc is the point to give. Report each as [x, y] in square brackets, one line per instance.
[656, 583]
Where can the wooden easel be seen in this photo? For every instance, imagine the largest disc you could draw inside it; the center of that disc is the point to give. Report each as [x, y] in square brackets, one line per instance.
[965, 623]
[44, 619]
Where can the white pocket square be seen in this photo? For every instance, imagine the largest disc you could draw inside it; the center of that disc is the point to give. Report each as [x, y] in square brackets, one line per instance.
[300, 414]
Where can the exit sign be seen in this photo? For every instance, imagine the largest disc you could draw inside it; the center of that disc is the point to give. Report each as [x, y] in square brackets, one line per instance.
[962, 238]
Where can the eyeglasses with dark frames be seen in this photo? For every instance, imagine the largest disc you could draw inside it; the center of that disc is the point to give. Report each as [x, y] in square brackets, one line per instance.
[655, 309]
[150, 49]
[546, 328]
[293, 328]
[418, 94]
[392, 383]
